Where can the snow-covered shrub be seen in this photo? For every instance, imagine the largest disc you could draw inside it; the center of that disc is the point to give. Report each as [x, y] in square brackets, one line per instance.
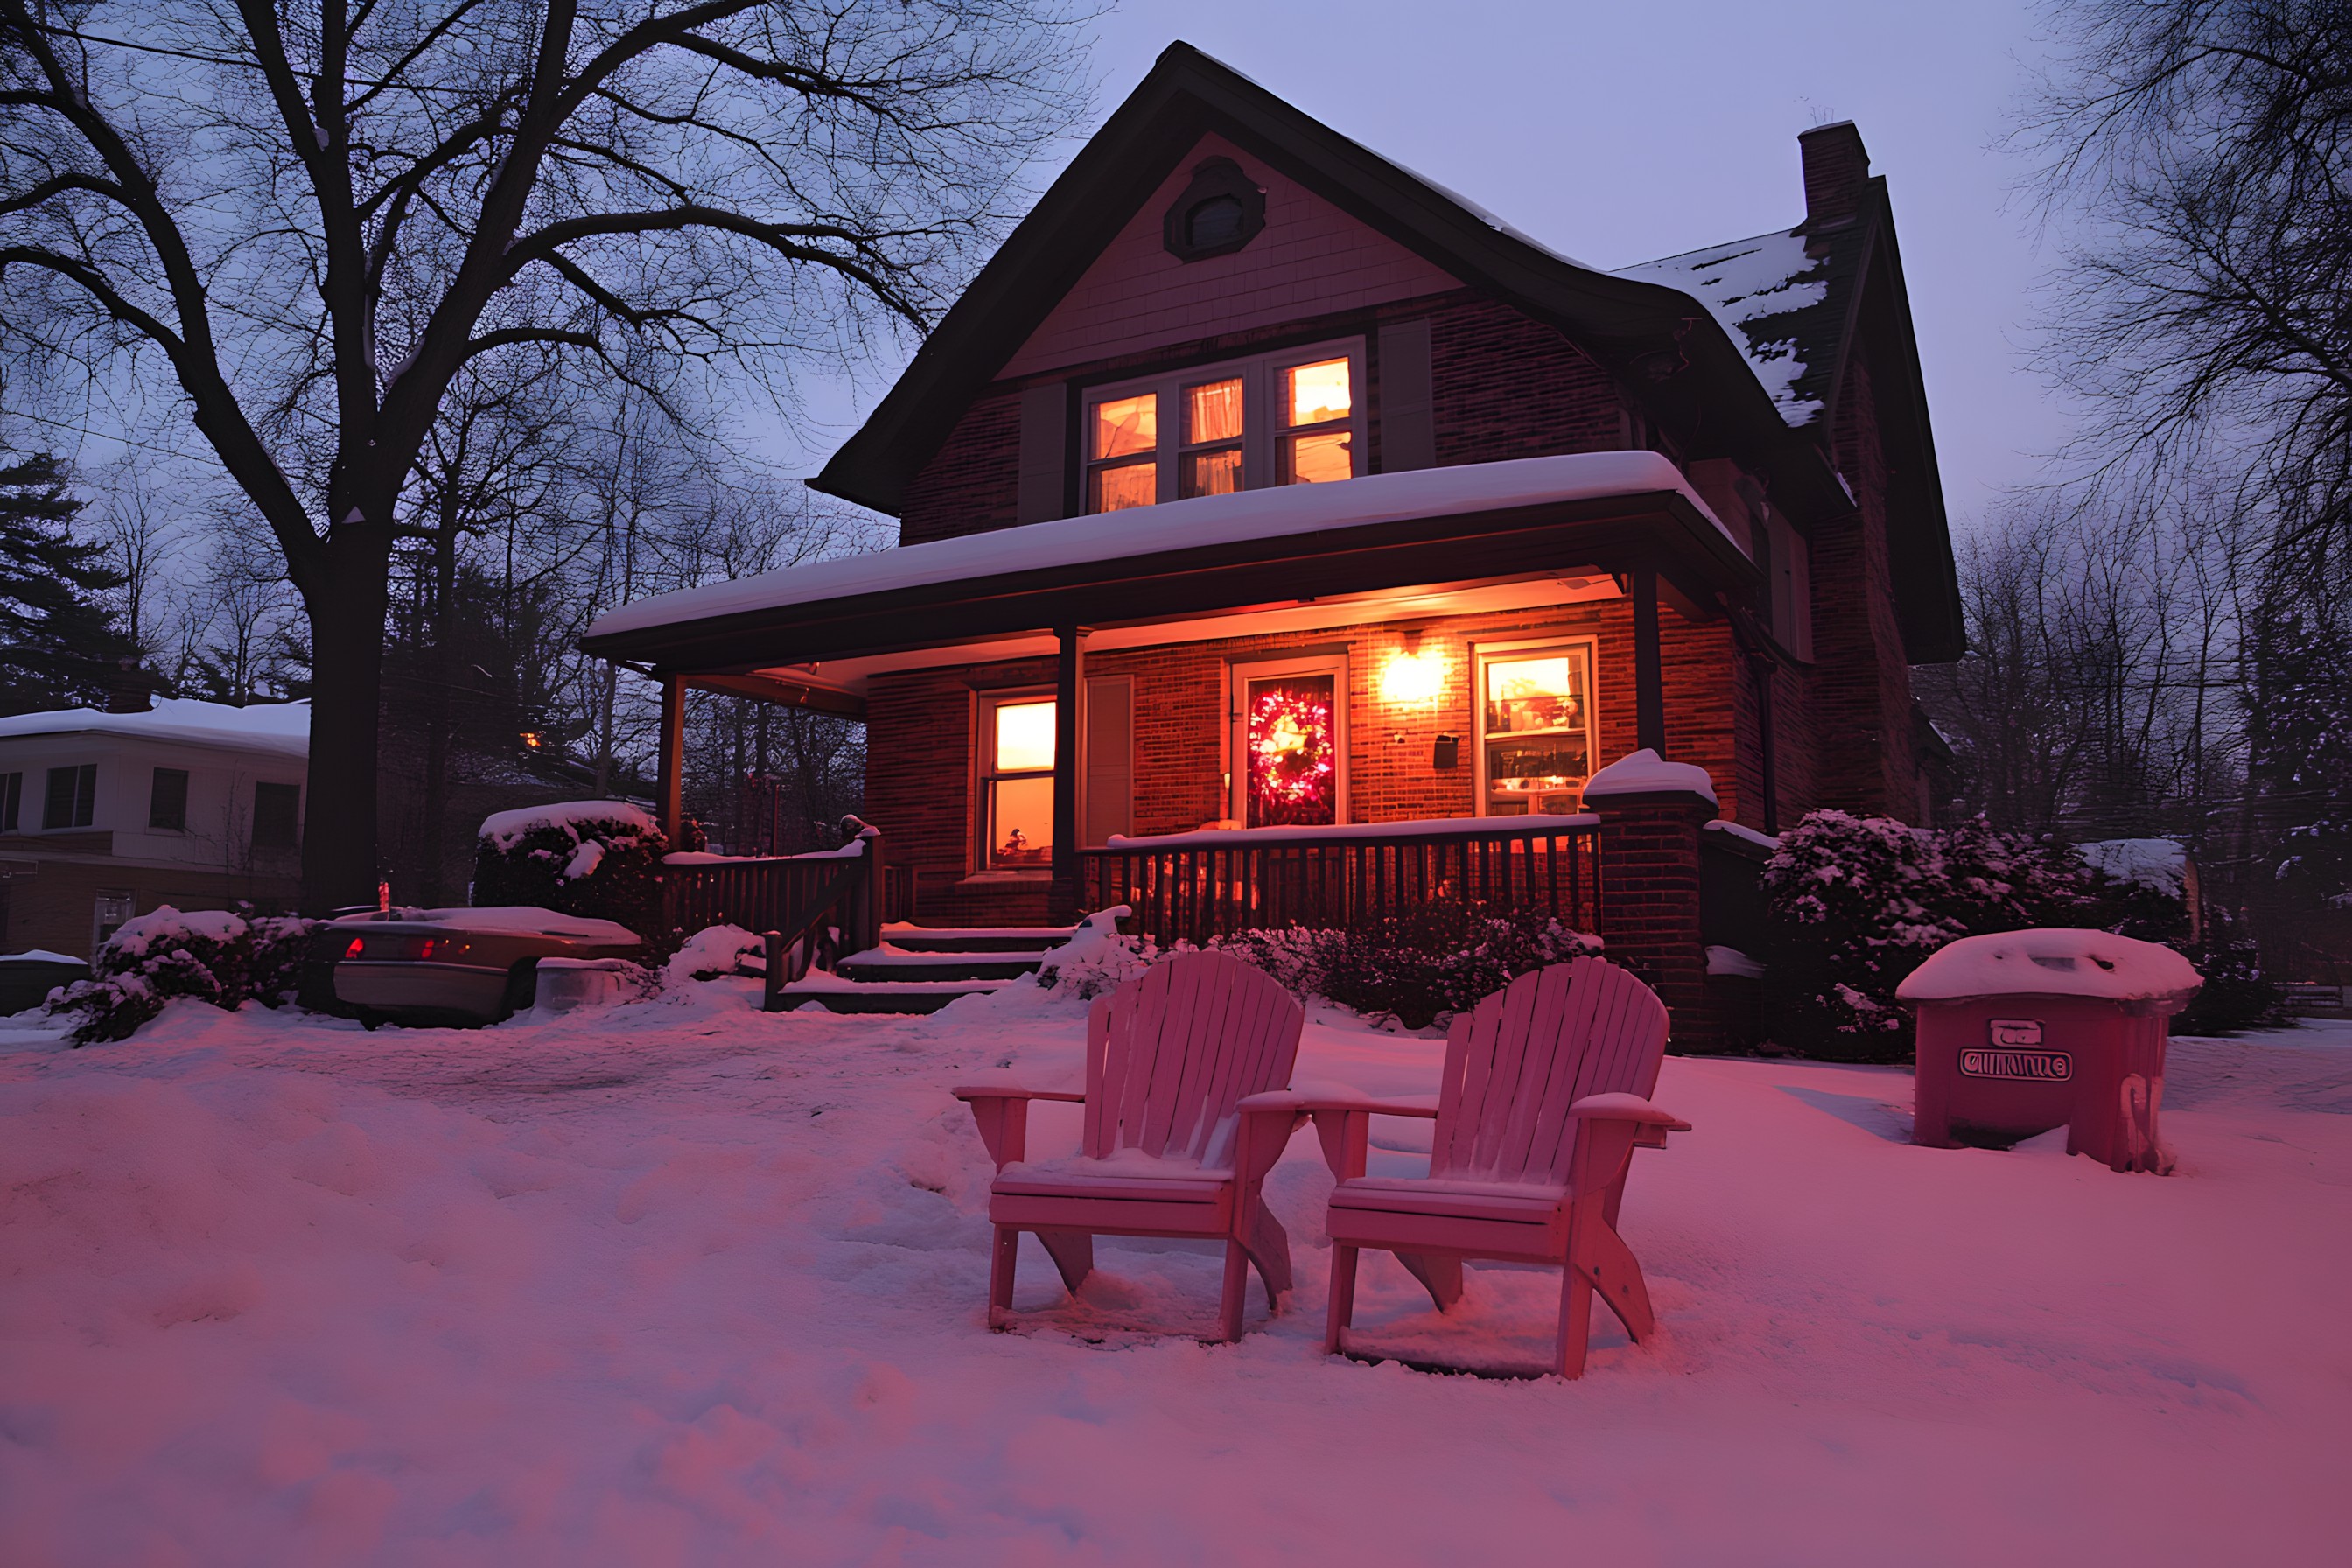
[1098, 959]
[2237, 993]
[213, 955]
[600, 858]
[1438, 959]
[715, 951]
[1858, 902]
[1416, 968]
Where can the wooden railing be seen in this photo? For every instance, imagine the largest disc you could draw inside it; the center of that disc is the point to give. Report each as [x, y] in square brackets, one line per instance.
[824, 905]
[1190, 887]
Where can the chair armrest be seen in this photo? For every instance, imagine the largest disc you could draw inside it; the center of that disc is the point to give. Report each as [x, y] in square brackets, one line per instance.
[1628, 1108]
[1001, 1111]
[1422, 1105]
[969, 1091]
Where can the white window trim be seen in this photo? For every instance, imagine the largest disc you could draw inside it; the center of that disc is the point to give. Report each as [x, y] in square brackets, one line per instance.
[1481, 653]
[1259, 376]
[1237, 678]
[983, 770]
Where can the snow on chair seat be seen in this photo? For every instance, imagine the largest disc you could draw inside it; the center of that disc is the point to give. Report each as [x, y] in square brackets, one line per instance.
[1168, 1149]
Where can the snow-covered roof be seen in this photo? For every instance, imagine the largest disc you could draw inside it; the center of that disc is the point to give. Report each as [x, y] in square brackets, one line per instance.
[1753, 287]
[1646, 772]
[2054, 962]
[281, 727]
[1286, 511]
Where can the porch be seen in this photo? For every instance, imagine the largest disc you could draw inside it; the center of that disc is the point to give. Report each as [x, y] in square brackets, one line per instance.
[1318, 703]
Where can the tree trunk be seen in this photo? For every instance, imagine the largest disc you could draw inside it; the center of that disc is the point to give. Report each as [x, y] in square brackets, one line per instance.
[346, 599]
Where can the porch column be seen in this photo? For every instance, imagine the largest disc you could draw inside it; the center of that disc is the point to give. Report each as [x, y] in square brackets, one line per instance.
[669, 790]
[1067, 686]
[1649, 675]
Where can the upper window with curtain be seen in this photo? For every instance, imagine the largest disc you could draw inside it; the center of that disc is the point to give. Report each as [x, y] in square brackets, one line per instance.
[1295, 418]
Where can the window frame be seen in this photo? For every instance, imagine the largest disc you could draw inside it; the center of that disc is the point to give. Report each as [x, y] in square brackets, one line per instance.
[155, 802]
[1262, 425]
[1239, 673]
[1483, 654]
[985, 774]
[12, 801]
[82, 809]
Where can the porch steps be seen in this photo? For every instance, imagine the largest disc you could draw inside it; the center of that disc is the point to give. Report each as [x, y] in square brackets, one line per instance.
[921, 969]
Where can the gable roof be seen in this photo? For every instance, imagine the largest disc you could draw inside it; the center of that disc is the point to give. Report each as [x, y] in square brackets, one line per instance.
[1761, 328]
[1187, 95]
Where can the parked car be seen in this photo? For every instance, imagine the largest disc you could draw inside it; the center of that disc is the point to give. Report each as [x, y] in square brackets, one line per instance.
[457, 965]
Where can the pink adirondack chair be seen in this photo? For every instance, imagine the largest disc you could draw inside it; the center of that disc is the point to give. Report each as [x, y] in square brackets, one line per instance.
[1166, 1151]
[1544, 1099]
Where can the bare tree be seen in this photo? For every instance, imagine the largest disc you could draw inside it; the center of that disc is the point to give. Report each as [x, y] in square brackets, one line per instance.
[318, 219]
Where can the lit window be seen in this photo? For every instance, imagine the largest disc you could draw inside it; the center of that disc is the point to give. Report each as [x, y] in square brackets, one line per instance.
[1318, 442]
[1212, 459]
[1536, 729]
[1017, 782]
[1272, 420]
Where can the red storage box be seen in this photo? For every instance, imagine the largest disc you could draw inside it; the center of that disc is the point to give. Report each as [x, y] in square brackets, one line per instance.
[2023, 1031]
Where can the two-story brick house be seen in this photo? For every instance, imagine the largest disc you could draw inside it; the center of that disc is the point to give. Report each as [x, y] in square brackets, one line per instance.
[1258, 482]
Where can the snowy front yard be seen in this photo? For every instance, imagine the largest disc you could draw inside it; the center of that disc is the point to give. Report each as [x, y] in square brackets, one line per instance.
[684, 1283]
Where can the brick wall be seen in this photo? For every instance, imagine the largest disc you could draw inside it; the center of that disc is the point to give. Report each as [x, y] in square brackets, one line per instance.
[972, 483]
[1861, 683]
[1505, 386]
[920, 744]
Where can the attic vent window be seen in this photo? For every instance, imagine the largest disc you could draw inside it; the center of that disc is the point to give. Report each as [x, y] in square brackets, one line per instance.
[1219, 212]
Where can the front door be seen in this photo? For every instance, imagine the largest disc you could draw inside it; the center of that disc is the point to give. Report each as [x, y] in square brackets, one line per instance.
[1289, 742]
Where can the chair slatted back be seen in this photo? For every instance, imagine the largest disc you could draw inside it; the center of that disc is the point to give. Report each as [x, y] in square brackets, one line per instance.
[1169, 1054]
[1517, 1061]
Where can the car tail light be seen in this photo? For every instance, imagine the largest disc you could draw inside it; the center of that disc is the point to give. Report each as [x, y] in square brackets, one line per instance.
[403, 949]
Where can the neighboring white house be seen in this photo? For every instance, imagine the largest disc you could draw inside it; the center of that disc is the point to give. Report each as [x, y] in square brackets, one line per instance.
[108, 815]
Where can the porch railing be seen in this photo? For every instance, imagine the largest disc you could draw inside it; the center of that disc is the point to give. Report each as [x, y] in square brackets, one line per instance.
[817, 908]
[1190, 887]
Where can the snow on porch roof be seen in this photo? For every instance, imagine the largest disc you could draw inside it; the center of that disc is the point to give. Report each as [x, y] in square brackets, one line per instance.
[1285, 511]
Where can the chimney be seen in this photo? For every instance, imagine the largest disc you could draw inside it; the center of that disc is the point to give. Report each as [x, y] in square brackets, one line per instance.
[129, 689]
[1837, 171]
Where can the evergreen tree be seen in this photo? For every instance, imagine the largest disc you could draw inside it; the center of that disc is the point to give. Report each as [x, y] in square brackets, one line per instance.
[57, 637]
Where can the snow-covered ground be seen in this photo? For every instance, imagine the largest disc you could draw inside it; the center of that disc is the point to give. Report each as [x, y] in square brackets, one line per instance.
[679, 1282]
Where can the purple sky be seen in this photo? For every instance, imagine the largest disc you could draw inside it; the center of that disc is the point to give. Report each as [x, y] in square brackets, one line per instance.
[1622, 132]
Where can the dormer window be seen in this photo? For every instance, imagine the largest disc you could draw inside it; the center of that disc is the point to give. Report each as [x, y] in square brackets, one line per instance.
[1280, 419]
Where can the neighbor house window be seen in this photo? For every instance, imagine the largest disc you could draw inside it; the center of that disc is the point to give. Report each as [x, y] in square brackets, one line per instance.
[1535, 727]
[72, 797]
[1278, 419]
[1016, 782]
[12, 801]
[167, 804]
[1290, 742]
[277, 815]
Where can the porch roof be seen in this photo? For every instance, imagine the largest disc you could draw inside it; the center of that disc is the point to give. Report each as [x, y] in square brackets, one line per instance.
[1491, 521]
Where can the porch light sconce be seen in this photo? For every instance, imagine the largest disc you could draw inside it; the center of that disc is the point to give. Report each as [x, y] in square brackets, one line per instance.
[1416, 675]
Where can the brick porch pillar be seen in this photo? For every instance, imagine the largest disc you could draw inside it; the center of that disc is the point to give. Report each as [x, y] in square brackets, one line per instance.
[1651, 813]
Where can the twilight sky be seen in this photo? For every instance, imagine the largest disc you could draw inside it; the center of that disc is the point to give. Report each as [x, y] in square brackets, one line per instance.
[1620, 132]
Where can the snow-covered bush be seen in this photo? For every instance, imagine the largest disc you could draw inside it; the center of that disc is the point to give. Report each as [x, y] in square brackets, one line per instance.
[600, 858]
[1416, 968]
[1098, 959]
[213, 955]
[1858, 902]
[1436, 961]
[715, 951]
